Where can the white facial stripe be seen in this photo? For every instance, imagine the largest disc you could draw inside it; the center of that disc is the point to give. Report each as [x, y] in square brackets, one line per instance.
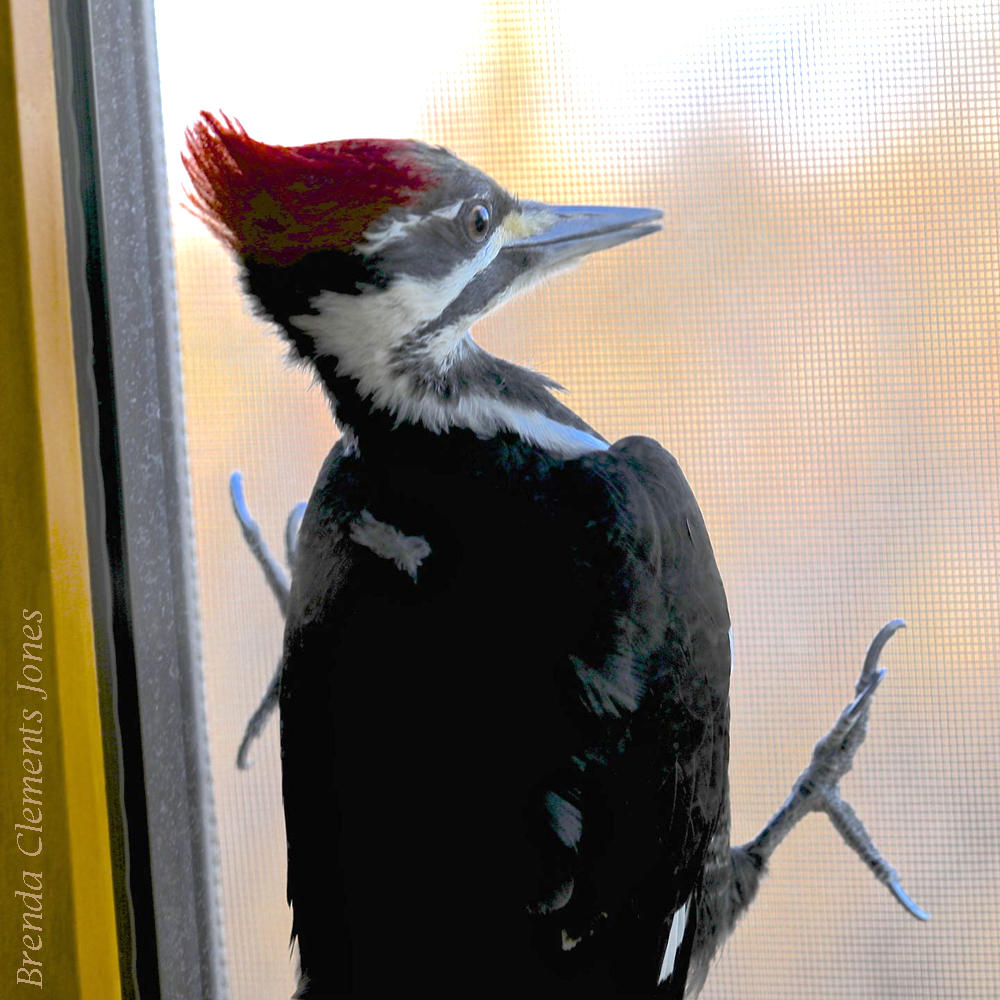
[362, 331]
[416, 302]
[381, 233]
[444, 346]
[449, 211]
[516, 225]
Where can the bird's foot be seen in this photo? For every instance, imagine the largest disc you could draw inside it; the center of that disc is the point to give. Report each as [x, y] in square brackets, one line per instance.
[817, 788]
[274, 573]
[277, 580]
[257, 722]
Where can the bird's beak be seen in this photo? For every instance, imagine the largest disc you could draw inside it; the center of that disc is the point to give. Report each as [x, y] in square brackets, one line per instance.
[559, 233]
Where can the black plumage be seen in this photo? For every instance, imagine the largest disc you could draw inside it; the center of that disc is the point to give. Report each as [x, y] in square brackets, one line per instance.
[540, 716]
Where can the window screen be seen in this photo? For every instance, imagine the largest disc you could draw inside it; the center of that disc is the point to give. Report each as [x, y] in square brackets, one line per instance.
[814, 336]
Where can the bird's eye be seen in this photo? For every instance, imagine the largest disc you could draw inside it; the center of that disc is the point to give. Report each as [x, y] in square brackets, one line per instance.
[477, 222]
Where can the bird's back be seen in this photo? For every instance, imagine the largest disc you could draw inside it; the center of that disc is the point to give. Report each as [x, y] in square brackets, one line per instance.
[496, 729]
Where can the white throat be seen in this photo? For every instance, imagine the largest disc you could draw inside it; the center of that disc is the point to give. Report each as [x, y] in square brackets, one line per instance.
[368, 361]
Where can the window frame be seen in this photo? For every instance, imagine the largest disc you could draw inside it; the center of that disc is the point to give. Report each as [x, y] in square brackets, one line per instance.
[142, 567]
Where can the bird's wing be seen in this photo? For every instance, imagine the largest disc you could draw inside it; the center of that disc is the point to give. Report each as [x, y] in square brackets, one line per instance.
[638, 816]
[563, 757]
[321, 566]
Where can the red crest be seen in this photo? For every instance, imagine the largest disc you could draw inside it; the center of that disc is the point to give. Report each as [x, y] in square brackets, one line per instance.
[275, 204]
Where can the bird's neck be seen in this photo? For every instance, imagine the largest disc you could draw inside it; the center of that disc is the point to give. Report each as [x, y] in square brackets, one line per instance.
[376, 432]
[480, 397]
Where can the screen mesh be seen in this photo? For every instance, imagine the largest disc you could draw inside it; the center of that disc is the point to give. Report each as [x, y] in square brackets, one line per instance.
[814, 335]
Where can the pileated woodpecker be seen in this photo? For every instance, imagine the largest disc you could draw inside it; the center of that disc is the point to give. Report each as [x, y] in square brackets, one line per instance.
[505, 687]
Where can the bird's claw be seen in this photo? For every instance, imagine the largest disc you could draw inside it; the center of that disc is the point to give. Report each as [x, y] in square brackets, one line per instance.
[278, 582]
[255, 726]
[834, 754]
[853, 711]
[239, 502]
[818, 787]
[275, 575]
[885, 633]
[897, 890]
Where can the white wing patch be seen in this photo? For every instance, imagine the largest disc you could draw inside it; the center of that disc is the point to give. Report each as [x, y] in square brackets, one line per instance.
[674, 940]
[406, 551]
[560, 439]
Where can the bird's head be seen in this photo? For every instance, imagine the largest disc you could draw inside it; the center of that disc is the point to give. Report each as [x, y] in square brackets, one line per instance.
[376, 256]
